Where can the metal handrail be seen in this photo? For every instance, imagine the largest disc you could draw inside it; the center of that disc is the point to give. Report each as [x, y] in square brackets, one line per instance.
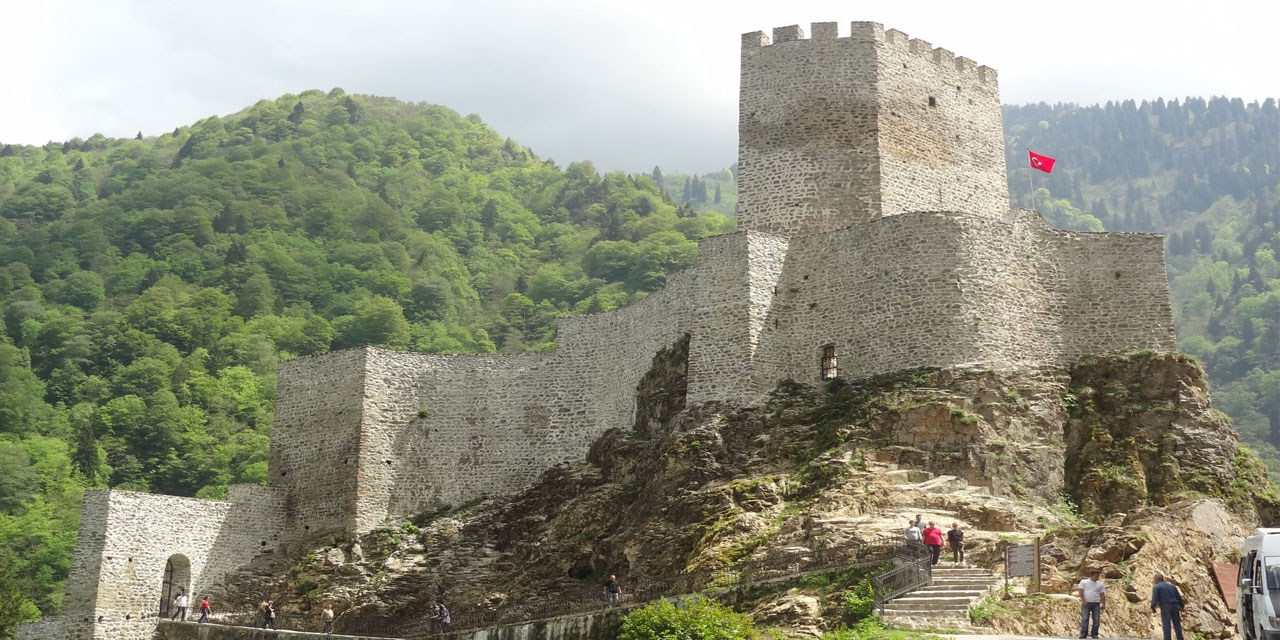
[913, 569]
[778, 566]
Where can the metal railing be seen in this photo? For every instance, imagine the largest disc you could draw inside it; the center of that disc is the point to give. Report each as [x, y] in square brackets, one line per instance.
[778, 566]
[913, 569]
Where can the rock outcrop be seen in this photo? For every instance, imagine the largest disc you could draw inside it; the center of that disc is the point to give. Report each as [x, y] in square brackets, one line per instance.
[1156, 473]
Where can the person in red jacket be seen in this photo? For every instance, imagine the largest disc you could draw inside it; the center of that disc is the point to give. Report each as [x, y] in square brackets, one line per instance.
[933, 539]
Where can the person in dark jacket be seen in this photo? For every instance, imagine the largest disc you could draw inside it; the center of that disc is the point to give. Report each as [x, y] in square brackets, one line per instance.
[955, 538]
[1165, 596]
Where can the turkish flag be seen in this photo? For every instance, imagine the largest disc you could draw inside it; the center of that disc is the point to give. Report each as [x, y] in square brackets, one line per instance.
[1043, 163]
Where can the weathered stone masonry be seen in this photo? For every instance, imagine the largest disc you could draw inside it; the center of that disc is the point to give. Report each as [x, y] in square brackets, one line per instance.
[874, 219]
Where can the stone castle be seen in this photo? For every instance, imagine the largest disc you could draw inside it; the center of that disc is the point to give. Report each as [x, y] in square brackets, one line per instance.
[875, 236]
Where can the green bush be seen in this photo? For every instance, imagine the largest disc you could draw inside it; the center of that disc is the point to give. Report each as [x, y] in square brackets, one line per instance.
[693, 619]
[858, 602]
[873, 629]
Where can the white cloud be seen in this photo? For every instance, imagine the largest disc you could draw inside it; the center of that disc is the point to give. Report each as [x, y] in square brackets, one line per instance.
[625, 84]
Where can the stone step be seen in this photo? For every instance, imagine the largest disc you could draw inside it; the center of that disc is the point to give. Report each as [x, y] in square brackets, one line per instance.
[949, 591]
[930, 603]
[960, 572]
[913, 609]
[941, 597]
[960, 616]
[981, 585]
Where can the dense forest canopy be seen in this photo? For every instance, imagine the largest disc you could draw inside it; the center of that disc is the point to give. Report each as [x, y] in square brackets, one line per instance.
[148, 287]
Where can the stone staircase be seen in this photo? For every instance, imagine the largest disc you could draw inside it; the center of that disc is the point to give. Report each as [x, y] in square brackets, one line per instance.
[945, 603]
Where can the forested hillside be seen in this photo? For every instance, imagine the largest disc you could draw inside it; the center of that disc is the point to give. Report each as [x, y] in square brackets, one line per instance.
[716, 191]
[1207, 174]
[150, 286]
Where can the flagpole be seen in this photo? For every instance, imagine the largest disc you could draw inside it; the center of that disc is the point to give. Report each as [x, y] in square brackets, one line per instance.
[1030, 183]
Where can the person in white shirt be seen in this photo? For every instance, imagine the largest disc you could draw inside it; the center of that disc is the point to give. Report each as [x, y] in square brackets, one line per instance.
[912, 534]
[1093, 601]
[180, 602]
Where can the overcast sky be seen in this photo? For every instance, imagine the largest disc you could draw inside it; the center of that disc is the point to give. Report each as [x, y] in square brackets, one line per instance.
[625, 83]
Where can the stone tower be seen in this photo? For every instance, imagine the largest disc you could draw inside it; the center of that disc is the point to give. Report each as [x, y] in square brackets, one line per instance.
[837, 131]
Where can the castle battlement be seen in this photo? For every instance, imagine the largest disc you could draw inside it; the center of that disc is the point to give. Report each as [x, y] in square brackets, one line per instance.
[874, 32]
[835, 131]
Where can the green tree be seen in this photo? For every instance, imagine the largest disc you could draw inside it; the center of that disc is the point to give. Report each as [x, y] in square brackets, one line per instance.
[378, 321]
[15, 607]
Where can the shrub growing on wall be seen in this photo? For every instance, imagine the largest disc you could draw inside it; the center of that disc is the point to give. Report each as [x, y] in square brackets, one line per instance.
[694, 619]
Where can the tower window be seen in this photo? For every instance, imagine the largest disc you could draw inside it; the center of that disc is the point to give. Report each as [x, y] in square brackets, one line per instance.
[933, 102]
[830, 367]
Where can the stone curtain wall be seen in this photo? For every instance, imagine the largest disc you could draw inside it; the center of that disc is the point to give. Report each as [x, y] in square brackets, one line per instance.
[1118, 296]
[446, 429]
[918, 289]
[945, 289]
[1044, 295]
[886, 293]
[126, 540]
[481, 432]
[315, 440]
[835, 131]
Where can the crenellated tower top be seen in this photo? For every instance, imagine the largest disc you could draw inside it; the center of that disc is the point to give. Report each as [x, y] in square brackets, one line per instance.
[835, 131]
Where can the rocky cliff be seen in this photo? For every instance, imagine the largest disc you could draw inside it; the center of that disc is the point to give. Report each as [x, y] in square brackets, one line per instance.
[1119, 463]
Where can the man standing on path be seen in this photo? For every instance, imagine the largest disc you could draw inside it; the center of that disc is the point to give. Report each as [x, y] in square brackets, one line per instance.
[933, 539]
[1166, 596]
[327, 615]
[181, 603]
[955, 538]
[613, 591]
[1093, 601]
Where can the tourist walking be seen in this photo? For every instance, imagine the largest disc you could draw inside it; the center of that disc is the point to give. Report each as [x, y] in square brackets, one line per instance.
[1165, 596]
[180, 602]
[1093, 601]
[261, 622]
[205, 609]
[270, 618]
[613, 591]
[912, 533]
[955, 539]
[327, 616]
[441, 618]
[933, 539]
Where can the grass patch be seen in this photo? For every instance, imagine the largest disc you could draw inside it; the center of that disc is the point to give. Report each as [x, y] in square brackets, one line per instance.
[873, 629]
[984, 612]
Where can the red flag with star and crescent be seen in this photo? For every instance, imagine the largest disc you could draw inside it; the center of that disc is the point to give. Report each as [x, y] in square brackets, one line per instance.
[1041, 162]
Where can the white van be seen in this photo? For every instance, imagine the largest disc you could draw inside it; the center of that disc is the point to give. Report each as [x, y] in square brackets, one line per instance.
[1258, 592]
